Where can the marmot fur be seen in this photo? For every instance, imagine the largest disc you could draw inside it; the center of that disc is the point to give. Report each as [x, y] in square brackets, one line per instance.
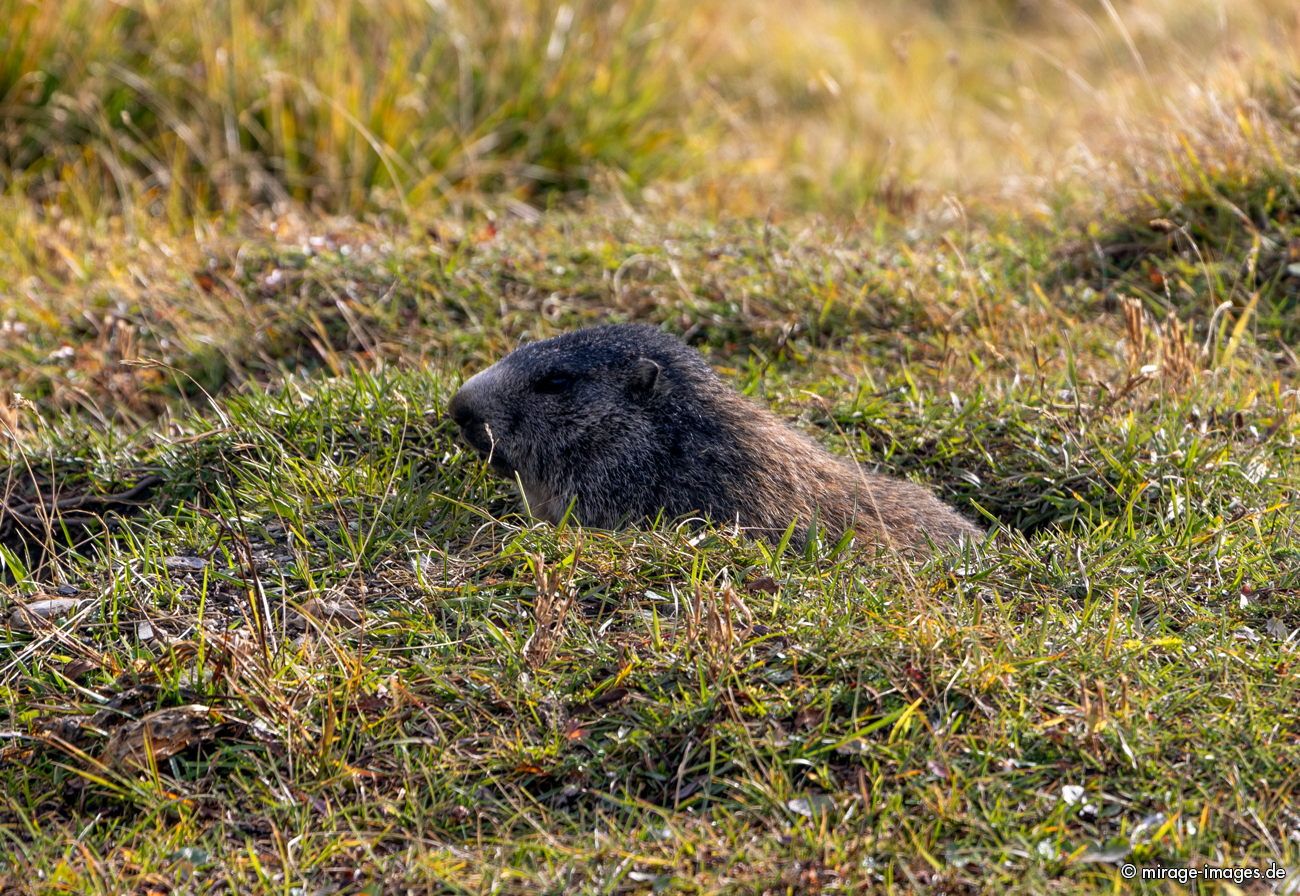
[628, 423]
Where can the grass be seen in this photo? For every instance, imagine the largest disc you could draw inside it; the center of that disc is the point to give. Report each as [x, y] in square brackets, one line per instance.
[205, 107]
[401, 106]
[223, 368]
[403, 680]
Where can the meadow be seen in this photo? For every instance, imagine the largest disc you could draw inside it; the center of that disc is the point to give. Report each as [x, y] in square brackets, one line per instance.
[266, 626]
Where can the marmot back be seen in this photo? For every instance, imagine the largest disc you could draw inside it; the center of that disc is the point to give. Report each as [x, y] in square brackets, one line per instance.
[628, 423]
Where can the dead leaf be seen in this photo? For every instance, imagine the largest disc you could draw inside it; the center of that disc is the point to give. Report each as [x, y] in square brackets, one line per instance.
[813, 804]
[809, 717]
[335, 611]
[77, 669]
[205, 281]
[145, 742]
[41, 611]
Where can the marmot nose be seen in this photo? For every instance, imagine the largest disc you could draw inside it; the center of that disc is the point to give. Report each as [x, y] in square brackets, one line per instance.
[461, 411]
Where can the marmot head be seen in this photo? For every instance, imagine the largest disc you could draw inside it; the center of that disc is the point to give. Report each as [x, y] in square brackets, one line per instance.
[549, 408]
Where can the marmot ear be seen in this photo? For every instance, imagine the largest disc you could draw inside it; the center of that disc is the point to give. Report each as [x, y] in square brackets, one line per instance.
[644, 379]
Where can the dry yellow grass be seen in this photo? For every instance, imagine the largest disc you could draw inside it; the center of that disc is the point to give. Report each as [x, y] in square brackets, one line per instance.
[833, 104]
[738, 108]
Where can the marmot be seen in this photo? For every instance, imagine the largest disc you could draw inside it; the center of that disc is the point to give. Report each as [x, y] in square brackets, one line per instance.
[627, 423]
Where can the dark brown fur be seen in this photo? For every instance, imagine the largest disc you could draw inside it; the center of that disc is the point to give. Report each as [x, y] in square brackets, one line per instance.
[627, 423]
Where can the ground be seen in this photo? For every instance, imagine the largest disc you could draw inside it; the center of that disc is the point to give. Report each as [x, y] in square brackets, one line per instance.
[266, 626]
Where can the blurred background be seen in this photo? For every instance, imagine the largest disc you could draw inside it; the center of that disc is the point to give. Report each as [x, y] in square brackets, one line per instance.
[195, 108]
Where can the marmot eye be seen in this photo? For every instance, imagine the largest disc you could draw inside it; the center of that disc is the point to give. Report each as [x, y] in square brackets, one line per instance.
[553, 383]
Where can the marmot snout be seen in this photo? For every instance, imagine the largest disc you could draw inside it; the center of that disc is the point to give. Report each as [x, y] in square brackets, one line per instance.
[628, 423]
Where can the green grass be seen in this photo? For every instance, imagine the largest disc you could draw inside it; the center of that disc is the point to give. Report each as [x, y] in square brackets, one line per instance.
[404, 683]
